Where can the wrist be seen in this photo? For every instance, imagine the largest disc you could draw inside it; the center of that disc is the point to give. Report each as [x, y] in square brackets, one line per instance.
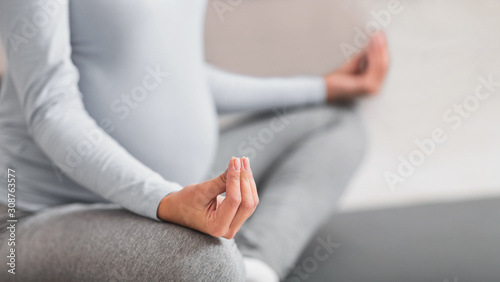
[330, 88]
[165, 207]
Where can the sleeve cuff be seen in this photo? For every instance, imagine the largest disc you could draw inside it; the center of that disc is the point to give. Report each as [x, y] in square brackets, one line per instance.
[149, 206]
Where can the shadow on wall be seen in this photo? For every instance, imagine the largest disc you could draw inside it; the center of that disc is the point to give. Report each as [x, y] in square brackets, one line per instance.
[279, 37]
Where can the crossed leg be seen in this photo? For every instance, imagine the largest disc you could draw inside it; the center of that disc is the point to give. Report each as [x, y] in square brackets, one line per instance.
[302, 161]
[103, 242]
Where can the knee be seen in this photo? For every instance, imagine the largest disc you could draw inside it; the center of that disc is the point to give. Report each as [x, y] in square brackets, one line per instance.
[176, 253]
[354, 138]
[112, 244]
[357, 131]
[181, 254]
[200, 257]
[345, 120]
[226, 262]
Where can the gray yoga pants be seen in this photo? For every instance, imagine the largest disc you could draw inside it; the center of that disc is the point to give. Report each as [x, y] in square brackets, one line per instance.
[302, 161]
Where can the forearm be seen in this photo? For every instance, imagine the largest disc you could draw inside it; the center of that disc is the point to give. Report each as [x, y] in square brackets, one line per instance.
[45, 81]
[86, 154]
[234, 92]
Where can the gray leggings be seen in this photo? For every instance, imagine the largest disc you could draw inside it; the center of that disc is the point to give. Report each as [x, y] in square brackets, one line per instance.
[302, 161]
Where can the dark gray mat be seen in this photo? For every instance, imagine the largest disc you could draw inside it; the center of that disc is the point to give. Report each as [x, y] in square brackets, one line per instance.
[452, 242]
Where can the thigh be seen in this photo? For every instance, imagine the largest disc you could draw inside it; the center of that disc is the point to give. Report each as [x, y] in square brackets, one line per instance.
[102, 242]
[266, 137]
[301, 192]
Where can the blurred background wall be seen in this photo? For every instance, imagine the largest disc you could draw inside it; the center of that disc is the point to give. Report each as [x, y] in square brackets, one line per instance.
[440, 50]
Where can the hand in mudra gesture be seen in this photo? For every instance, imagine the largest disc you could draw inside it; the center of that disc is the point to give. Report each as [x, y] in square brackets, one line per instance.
[202, 207]
[361, 75]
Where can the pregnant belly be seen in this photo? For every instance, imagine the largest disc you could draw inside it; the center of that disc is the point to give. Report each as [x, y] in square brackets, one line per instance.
[168, 123]
[142, 79]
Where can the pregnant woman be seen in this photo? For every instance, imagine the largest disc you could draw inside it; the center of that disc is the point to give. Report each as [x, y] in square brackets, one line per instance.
[108, 116]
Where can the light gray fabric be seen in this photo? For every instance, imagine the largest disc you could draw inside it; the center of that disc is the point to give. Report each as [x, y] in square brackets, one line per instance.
[109, 101]
[236, 93]
[102, 242]
[300, 174]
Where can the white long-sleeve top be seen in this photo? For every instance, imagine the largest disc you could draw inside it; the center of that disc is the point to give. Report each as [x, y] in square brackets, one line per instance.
[111, 101]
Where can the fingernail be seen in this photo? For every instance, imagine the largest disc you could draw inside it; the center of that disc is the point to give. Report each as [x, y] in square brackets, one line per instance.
[237, 164]
[246, 163]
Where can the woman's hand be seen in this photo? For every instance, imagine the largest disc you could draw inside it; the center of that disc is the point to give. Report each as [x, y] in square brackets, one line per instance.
[361, 75]
[201, 207]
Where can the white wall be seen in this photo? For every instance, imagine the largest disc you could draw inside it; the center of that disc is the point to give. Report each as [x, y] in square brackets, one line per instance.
[439, 49]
